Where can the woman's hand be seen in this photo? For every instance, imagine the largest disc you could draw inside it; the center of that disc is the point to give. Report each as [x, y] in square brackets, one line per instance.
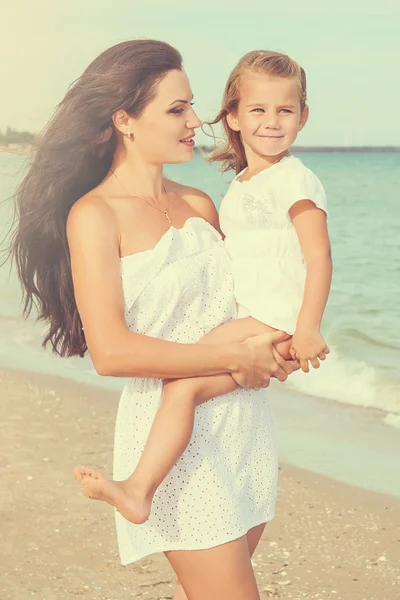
[260, 361]
[289, 366]
[308, 346]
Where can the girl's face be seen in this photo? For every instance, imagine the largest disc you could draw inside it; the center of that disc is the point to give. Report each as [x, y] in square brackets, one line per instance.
[269, 115]
[164, 132]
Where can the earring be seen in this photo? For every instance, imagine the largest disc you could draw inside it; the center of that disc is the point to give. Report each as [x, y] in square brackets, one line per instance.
[128, 134]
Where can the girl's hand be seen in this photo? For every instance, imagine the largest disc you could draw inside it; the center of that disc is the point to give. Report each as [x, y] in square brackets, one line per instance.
[308, 346]
[259, 361]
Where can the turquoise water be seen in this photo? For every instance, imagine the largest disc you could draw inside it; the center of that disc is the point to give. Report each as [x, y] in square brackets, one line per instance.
[346, 415]
[362, 321]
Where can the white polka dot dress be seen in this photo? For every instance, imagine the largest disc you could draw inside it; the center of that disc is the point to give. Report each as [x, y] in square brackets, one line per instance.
[225, 482]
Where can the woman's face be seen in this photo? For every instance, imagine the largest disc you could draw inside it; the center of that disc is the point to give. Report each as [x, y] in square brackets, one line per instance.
[164, 132]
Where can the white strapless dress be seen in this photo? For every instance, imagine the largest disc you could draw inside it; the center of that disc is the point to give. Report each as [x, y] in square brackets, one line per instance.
[225, 482]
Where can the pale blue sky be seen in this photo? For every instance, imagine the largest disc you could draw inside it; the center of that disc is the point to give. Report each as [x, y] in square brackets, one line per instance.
[350, 52]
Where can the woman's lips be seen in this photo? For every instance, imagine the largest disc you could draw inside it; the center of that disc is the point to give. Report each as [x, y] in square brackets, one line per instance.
[189, 142]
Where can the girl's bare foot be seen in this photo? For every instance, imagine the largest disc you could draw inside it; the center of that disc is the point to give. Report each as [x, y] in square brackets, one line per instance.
[121, 494]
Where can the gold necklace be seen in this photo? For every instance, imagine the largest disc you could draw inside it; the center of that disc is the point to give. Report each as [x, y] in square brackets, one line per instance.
[164, 212]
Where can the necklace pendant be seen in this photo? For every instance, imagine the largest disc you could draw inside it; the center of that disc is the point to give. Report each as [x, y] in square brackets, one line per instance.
[167, 217]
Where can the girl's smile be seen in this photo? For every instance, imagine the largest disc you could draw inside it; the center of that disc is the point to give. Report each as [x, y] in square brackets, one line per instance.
[269, 115]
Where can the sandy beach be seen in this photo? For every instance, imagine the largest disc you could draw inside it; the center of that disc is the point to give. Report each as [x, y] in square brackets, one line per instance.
[328, 540]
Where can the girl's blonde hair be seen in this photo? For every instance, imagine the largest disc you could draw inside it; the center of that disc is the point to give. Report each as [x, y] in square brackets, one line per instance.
[274, 64]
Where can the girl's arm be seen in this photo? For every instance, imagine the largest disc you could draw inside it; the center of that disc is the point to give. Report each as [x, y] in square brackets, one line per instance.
[311, 228]
[93, 239]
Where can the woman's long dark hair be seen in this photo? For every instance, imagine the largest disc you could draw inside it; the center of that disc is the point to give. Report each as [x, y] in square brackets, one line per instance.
[71, 157]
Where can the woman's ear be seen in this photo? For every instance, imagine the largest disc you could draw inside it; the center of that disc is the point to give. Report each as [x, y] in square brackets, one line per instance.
[123, 122]
[304, 117]
[232, 121]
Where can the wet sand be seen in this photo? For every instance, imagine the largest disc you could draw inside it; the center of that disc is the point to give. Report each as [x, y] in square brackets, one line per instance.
[328, 540]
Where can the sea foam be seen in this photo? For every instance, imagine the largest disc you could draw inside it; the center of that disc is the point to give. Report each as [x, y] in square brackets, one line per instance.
[350, 381]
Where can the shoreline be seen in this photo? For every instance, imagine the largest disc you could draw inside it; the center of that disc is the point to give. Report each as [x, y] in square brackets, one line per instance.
[328, 539]
[337, 149]
[19, 149]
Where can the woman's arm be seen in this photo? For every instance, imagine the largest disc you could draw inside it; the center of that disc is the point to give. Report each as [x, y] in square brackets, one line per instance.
[115, 350]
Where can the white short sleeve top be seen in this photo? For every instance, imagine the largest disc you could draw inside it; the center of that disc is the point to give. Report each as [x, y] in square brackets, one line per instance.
[268, 265]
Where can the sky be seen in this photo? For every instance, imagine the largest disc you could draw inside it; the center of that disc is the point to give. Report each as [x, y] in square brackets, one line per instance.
[349, 49]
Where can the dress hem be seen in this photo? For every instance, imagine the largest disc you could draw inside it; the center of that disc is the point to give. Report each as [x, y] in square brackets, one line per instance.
[206, 546]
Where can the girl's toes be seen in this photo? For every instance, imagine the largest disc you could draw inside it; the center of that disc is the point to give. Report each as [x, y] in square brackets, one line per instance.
[95, 474]
[79, 473]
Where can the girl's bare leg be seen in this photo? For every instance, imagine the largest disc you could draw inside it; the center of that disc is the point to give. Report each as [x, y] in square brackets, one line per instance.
[253, 536]
[171, 430]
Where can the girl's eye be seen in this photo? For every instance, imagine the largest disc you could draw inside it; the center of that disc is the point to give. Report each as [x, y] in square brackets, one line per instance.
[284, 110]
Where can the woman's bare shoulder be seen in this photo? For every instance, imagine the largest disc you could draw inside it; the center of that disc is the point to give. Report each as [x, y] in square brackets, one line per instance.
[90, 206]
[92, 216]
[198, 201]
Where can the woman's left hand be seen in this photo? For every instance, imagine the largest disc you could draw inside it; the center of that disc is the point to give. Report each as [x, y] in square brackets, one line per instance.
[289, 366]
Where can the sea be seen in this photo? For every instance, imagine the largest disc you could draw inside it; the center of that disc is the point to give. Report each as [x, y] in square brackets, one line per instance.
[343, 420]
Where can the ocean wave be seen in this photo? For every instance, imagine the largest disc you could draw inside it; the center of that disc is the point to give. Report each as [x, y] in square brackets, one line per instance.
[349, 381]
[362, 336]
[392, 420]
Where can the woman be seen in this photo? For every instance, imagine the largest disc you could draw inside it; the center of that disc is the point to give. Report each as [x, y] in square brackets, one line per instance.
[128, 265]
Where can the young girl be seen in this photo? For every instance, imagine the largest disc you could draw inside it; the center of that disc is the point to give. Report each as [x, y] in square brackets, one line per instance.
[273, 218]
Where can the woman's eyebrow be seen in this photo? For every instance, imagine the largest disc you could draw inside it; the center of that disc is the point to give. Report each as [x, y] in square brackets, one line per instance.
[184, 101]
